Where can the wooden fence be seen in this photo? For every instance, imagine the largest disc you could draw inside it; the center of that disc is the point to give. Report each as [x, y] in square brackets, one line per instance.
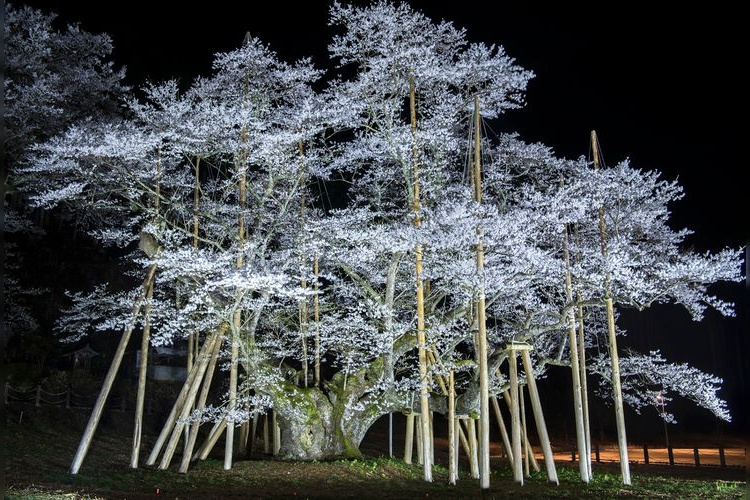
[68, 398]
[673, 455]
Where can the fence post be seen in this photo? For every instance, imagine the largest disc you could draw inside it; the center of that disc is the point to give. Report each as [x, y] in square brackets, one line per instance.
[596, 452]
[697, 457]
[670, 452]
[645, 454]
[38, 394]
[7, 390]
[573, 455]
[722, 458]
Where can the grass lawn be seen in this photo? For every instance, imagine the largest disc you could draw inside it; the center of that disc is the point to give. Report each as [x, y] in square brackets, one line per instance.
[38, 452]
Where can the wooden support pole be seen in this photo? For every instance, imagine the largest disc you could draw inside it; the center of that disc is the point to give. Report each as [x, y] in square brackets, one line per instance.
[205, 388]
[232, 404]
[276, 435]
[390, 434]
[316, 318]
[456, 427]
[177, 407]
[515, 418]
[211, 440]
[409, 438]
[244, 431]
[622, 440]
[420, 443]
[109, 379]
[524, 434]
[484, 405]
[575, 370]
[503, 430]
[532, 458]
[424, 391]
[266, 435]
[452, 441]
[582, 368]
[474, 453]
[584, 385]
[199, 369]
[142, 372]
[521, 398]
[253, 431]
[432, 433]
[463, 439]
[541, 427]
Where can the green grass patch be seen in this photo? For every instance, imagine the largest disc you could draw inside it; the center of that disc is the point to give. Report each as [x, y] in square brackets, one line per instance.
[38, 453]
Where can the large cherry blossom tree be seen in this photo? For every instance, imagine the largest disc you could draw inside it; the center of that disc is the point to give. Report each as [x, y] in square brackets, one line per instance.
[220, 185]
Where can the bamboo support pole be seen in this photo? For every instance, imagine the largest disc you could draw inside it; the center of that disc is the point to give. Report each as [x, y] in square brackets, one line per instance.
[541, 427]
[622, 440]
[109, 379]
[205, 388]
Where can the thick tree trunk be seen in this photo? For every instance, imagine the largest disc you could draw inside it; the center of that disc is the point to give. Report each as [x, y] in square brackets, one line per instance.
[312, 428]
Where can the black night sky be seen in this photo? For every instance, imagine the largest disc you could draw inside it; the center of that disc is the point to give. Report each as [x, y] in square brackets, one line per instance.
[660, 85]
